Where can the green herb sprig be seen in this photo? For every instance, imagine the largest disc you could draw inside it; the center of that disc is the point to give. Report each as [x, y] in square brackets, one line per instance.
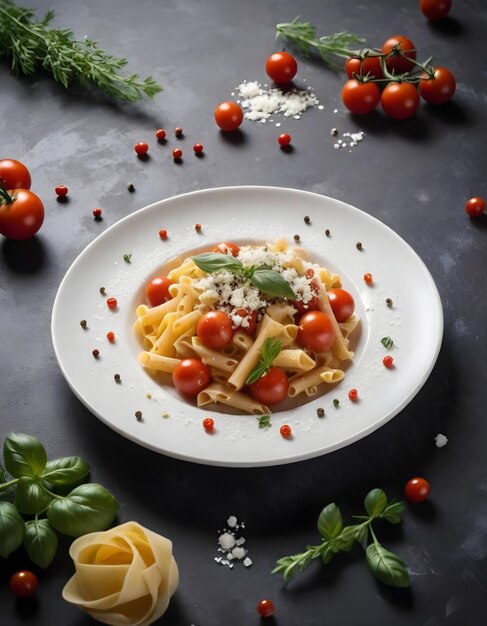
[263, 277]
[56, 489]
[386, 566]
[269, 351]
[264, 421]
[32, 45]
[387, 342]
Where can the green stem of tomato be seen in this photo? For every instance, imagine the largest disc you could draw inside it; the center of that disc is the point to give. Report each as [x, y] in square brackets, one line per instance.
[5, 197]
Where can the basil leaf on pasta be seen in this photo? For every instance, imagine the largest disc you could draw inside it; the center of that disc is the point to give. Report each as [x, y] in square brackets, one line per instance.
[272, 283]
[213, 262]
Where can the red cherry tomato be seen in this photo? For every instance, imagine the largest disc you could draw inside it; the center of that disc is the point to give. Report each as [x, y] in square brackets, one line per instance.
[316, 331]
[214, 330]
[475, 207]
[417, 489]
[265, 608]
[281, 67]
[190, 376]
[342, 304]
[359, 97]
[400, 100]
[21, 218]
[369, 65]
[251, 317]
[435, 9]
[440, 88]
[271, 388]
[23, 584]
[225, 247]
[396, 61]
[14, 174]
[157, 291]
[228, 115]
[302, 308]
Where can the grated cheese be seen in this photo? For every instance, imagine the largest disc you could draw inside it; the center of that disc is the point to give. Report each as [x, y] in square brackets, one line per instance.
[260, 103]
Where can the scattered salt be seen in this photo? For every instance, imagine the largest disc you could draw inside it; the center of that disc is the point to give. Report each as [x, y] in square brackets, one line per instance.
[247, 562]
[355, 139]
[232, 521]
[230, 544]
[260, 103]
[226, 541]
[441, 440]
[239, 553]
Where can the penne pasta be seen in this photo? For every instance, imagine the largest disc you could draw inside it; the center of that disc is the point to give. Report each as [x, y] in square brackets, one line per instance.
[217, 393]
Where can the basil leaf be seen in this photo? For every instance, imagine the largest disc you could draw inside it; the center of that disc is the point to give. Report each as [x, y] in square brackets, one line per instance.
[66, 470]
[393, 512]
[40, 542]
[330, 522]
[24, 455]
[270, 350]
[386, 566]
[258, 371]
[272, 283]
[345, 540]
[88, 508]
[375, 502]
[31, 497]
[2, 475]
[387, 342]
[327, 555]
[213, 262]
[11, 529]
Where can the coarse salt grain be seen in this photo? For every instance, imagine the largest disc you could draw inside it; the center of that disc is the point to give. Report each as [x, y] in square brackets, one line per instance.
[239, 553]
[247, 562]
[226, 541]
[441, 440]
[232, 521]
[259, 103]
[230, 545]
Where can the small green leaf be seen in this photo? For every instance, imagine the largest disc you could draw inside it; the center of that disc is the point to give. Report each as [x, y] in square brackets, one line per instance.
[345, 540]
[40, 542]
[258, 371]
[213, 262]
[24, 455]
[386, 566]
[66, 470]
[272, 283]
[336, 403]
[327, 555]
[127, 258]
[393, 512]
[2, 475]
[330, 522]
[387, 342]
[31, 497]
[11, 529]
[88, 508]
[269, 351]
[264, 421]
[375, 502]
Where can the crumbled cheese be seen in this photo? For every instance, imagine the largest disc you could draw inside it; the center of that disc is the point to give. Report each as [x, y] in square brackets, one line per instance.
[441, 440]
[226, 541]
[259, 103]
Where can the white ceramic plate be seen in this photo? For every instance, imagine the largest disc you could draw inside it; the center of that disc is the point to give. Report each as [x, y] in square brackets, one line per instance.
[245, 215]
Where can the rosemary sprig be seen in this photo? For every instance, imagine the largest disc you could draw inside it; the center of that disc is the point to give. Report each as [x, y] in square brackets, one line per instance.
[30, 45]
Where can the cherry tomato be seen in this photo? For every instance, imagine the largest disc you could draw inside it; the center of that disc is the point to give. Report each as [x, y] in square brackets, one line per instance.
[21, 218]
[435, 9]
[265, 608]
[316, 331]
[271, 388]
[397, 62]
[360, 97]
[440, 88]
[14, 174]
[251, 317]
[342, 304]
[417, 489]
[227, 246]
[190, 376]
[228, 115]
[214, 330]
[157, 291]
[281, 67]
[369, 65]
[400, 100]
[475, 207]
[302, 308]
[23, 584]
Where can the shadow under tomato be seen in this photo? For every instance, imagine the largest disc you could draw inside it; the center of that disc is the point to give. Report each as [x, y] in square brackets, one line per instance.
[453, 113]
[24, 257]
[447, 26]
[234, 137]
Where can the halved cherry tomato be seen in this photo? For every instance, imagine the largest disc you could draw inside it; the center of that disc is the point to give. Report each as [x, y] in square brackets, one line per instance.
[369, 65]
[14, 174]
[396, 61]
[227, 246]
[400, 100]
[281, 67]
[228, 115]
[342, 304]
[440, 88]
[360, 97]
[157, 291]
[214, 330]
[23, 584]
[251, 317]
[190, 376]
[271, 388]
[21, 218]
[316, 331]
[435, 9]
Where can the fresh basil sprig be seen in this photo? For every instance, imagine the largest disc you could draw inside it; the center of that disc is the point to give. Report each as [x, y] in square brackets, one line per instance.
[386, 566]
[387, 342]
[270, 349]
[263, 277]
[86, 508]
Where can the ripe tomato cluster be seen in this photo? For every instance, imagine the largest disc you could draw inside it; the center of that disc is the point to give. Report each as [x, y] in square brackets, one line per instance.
[405, 80]
[21, 211]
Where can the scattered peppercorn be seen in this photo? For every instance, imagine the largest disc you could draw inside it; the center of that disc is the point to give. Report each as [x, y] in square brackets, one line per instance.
[131, 187]
[112, 303]
[307, 219]
[388, 361]
[297, 237]
[284, 140]
[95, 353]
[198, 148]
[61, 191]
[336, 403]
[83, 324]
[141, 148]
[209, 424]
[320, 412]
[97, 214]
[285, 431]
[161, 134]
[177, 154]
[353, 395]
[327, 232]
[389, 302]
[102, 291]
[334, 132]
[111, 336]
[359, 245]
[163, 233]
[197, 227]
[138, 415]
[178, 131]
[117, 378]
[368, 278]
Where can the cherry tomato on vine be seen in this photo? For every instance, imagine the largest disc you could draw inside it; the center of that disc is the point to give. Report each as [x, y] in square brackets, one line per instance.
[14, 174]
[23, 216]
[271, 388]
[190, 376]
[369, 65]
[396, 61]
[265, 608]
[251, 317]
[228, 115]
[157, 291]
[435, 9]
[225, 247]
[23, 584]
[281, 67]
[360, 97]
[315, 331]
[475, 207]
[417, 489]
[440, 88]
[342, 304]
[400, 100]
[214, 330]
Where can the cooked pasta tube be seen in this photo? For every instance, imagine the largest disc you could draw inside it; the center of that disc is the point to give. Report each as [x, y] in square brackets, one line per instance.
[305, 383]
[154, 315]
[213, 358]
[294, 360]
[242, 341]
[340, 344]
[157, 362]
[349, 326]
[281, 312]
[218, 393]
